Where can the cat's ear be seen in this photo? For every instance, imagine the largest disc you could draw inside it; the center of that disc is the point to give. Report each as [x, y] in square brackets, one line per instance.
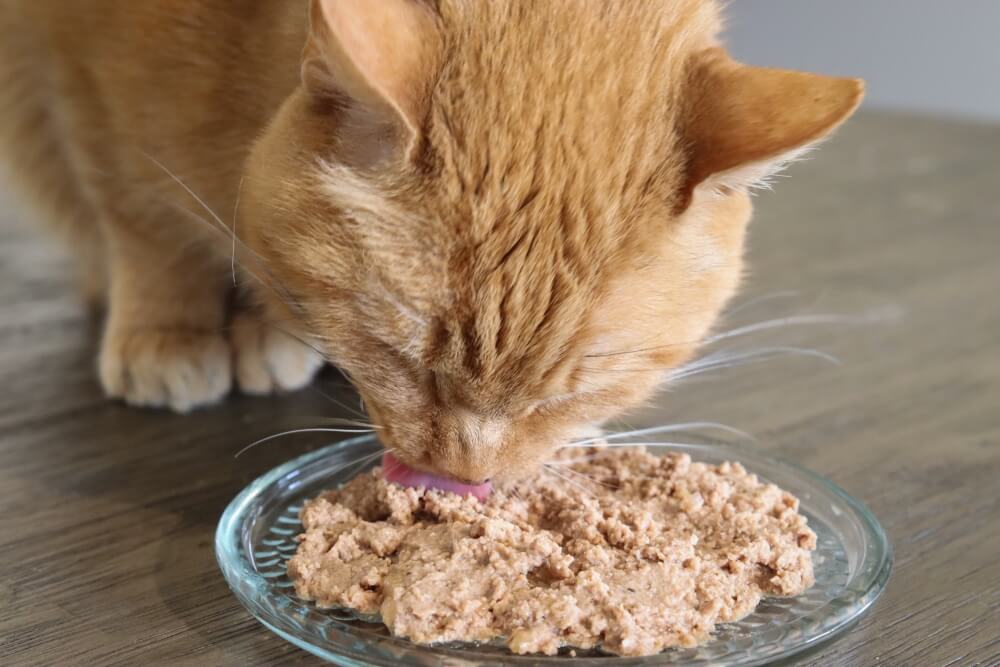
[379, 53]
[742, 123]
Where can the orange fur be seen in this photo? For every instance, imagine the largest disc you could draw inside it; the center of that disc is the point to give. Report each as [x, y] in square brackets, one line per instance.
[503, 220]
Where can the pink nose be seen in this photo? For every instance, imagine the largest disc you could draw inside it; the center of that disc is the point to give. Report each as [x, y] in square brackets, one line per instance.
[399, 473]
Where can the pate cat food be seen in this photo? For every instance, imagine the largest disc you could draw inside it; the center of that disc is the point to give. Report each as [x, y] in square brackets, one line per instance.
[631, 552]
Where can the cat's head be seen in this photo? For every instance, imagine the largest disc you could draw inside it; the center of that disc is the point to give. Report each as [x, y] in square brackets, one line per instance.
[505, 221]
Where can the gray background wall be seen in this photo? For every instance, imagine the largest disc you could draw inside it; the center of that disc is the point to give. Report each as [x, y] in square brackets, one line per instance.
[934, 56]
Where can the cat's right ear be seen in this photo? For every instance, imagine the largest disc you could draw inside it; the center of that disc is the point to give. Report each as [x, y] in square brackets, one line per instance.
[743, 122]
[379, 53]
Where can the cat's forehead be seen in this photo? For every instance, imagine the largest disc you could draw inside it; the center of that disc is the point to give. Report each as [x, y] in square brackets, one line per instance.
[573, 83]
[559, 110]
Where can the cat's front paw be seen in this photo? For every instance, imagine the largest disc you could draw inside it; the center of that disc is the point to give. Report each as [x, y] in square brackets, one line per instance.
[269, 359]
[180, 369]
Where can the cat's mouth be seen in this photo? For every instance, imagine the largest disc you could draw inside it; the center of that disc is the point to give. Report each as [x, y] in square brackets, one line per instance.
[399, 473]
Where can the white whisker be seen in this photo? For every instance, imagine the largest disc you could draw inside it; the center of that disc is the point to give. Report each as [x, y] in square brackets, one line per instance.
[589, 478]
[243, 265]
[570, 481]
[339, 421]
[570, 462]
[188, 190]
[786, 294]
[300, 430]
[236, 213]
[727, 360]
[882, 314]
[797, 320]
[625, 445]
[217, 224]
[667, 428]
[339, 403]
[322, 355]
[360, 463]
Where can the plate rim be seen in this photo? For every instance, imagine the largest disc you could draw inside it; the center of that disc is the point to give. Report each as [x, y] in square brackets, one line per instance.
[227, 539]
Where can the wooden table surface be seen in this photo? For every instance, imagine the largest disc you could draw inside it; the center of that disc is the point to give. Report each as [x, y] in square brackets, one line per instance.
[107, 513]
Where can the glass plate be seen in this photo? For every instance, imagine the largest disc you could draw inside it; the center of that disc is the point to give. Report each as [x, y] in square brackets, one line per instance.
[256, 536]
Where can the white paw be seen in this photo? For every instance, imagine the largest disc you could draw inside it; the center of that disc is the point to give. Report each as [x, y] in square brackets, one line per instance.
[268, 360]
[177, 369]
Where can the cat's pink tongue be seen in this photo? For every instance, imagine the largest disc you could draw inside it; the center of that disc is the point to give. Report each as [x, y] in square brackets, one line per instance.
[398, 472]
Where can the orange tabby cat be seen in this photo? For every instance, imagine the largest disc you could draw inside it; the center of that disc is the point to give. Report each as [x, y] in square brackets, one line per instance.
[473, 208]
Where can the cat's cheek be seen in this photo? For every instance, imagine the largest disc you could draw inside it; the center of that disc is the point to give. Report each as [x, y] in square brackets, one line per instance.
[721, 220]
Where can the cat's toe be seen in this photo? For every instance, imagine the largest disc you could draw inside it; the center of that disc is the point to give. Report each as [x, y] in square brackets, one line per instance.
[176, 369]
[269, 359]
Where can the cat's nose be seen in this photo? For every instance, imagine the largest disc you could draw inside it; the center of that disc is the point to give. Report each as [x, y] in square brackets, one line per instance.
[480, 433]
[471, 450]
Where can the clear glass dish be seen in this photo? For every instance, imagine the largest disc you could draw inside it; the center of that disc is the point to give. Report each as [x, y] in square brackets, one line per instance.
[256, 536]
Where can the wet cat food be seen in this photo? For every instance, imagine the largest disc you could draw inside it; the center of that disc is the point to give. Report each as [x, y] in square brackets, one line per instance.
[616, 548]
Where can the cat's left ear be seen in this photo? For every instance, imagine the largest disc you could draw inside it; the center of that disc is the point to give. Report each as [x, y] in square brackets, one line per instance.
[742, 123]
[380, 53]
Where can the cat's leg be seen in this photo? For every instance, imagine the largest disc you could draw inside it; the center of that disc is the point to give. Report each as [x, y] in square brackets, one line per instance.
[90, 253]
[51, 197]
[165, 341]
[38, 165]
[271, 352]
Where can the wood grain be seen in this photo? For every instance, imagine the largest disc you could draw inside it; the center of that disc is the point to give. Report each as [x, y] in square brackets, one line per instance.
[107, 513]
